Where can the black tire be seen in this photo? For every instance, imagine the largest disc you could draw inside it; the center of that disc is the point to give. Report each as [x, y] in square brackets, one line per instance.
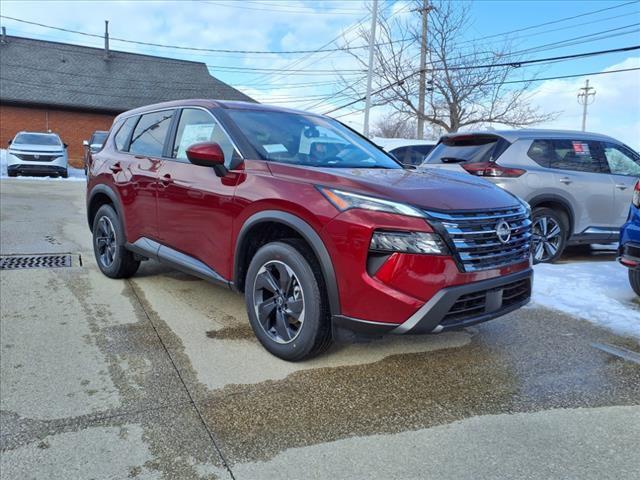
[634, 280]
[12, 174]
[313, 335]
[65, 173]
[123, 264]
[551, 248]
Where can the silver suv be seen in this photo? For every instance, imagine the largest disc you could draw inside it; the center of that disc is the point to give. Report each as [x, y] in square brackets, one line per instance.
[578, 184]
[37, 153]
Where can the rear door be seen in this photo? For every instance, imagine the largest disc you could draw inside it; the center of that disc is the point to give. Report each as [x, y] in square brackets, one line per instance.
[580, 170]
[145, 149]
[195, 209]
[624, 165]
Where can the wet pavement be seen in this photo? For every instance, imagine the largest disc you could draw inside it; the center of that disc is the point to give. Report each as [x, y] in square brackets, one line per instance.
[160, 376]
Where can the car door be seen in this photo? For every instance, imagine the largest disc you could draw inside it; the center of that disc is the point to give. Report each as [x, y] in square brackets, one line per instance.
[580, 172]
[195, 209]
[140, 171]
[624, 165]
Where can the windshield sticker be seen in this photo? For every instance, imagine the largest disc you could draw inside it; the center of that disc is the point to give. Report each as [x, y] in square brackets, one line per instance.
[275, 148]
[580, 148]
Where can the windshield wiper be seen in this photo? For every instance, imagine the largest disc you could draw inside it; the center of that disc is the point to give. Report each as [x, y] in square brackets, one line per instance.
[452, 160]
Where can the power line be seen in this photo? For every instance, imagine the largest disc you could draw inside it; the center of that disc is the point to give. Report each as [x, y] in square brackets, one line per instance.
[182, 47]
[391, 85]
[287, 10]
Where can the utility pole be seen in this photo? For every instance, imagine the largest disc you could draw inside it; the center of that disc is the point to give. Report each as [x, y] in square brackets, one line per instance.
[423, 68]
[372, 39]
[106, 39]
[586, 97]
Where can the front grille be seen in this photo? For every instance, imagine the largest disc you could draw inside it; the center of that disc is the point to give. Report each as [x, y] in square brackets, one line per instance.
[487, 301]
[36, 157]
[474, 240]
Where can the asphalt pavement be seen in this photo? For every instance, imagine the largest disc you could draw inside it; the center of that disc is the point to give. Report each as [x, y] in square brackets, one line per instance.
[160, 376]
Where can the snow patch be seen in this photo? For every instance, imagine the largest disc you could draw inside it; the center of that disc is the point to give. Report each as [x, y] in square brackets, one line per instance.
[75, 174]
[595, 291]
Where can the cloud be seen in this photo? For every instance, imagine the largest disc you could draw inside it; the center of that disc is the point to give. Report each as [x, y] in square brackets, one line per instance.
[615, 111]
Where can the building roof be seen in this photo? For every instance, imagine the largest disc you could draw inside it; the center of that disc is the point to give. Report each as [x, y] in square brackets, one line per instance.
[38, 72]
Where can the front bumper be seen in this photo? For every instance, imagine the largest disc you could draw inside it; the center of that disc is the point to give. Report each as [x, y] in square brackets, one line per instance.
[36, 169]
[452, 307]
[630, 255]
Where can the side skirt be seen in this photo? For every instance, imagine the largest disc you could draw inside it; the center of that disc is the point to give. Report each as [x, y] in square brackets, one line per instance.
[178, 260]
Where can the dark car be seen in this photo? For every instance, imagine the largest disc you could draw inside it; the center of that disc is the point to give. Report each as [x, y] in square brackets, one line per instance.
[630, 241]
[93, 145]
[326, 235]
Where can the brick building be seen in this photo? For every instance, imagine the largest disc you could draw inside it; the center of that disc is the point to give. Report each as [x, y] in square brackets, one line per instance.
[73, 90]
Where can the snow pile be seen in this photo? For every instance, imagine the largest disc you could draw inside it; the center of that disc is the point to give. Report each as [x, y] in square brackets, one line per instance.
[75, 174]
[595, 291]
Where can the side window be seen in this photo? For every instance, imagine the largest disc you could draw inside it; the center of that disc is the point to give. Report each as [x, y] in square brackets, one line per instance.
[124, 133]
[621, 160]
[411, 155]
[150, 133]
[197, 126]
[575, 155]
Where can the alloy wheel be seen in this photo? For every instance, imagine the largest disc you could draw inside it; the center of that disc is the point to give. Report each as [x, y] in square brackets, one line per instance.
[106, 241]
[278, 300]
[546, 238]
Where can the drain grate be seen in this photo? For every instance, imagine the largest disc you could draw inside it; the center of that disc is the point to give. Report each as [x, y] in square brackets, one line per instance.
[16, 262]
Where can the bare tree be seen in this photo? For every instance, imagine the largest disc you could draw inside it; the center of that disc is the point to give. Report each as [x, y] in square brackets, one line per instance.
[394, 125]
[464, 89]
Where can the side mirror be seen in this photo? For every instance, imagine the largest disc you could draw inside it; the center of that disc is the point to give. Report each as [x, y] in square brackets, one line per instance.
[65, 145]
[85, 143]
[208, 154]
[9, 142]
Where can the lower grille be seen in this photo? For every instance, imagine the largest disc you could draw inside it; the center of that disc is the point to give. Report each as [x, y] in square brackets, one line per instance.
[482, 240]
[487, 301]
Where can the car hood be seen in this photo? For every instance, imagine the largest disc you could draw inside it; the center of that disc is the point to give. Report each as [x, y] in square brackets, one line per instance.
[26, 147]
[427, 189]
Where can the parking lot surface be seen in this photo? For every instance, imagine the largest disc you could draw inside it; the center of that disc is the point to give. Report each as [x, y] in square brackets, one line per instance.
[160, 376]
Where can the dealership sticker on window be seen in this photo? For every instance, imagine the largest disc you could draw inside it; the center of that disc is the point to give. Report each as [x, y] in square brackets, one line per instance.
[275, 148]
[580, 148]
[191, 134]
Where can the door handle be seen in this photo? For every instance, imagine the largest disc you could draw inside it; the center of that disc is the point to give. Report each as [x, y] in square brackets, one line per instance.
[166, 179]
[116, 168]
[620, 186]
[565, 180]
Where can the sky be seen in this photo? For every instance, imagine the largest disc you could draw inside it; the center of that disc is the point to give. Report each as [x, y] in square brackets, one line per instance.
[311, 80]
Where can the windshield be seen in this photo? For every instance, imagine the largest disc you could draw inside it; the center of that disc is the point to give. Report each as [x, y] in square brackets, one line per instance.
[308, 140]
[98, 138]
[463, 149]
[37, 139]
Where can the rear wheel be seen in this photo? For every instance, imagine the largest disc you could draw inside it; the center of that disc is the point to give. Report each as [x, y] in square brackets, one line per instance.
[65, 173]
[286, 301]
[550, 230]
[634, 280]
[113, 259]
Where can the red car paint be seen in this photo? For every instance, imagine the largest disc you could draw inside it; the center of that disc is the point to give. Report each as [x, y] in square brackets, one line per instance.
[196, 212]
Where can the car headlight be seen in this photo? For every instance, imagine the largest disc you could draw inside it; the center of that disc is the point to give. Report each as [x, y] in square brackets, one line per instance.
[408, 242]
[346, 200]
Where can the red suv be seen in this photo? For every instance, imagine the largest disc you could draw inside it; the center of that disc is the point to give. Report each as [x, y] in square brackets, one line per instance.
[328, 237]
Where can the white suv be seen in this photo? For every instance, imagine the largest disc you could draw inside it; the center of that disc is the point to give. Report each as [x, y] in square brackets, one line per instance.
[37, 153]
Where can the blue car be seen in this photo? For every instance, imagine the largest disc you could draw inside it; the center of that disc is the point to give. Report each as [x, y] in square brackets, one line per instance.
[630, 241]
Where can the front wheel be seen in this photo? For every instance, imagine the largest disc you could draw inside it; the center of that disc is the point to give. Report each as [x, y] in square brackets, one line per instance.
[286, 301]
[634, 280]
[65, 173]
[549, 232]
[113, 259]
